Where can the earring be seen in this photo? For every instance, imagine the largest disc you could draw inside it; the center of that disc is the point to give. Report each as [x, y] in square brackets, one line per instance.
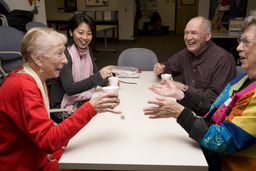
[41, 71]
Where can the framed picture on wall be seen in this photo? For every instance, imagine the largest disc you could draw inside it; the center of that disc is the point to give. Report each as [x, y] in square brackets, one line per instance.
[96, 3]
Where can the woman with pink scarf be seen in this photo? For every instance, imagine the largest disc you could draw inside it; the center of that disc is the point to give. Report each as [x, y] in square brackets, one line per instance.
[78, 79]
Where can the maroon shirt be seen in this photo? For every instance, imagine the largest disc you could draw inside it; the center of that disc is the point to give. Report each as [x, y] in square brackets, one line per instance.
[207, 74]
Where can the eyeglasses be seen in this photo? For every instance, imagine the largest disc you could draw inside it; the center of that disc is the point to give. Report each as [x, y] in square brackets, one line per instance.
[245, 41]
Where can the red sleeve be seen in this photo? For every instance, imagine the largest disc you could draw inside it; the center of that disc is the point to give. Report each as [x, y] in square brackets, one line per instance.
[39, 127]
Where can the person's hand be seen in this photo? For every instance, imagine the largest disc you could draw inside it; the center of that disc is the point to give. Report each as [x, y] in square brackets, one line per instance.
[159, 68]
[167, 88]
[165, 108]
[106, 102]
[105, 72]
[179, 85]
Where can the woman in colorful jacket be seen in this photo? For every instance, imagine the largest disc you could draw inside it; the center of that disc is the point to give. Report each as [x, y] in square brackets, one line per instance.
[228, 127]
[28, 138]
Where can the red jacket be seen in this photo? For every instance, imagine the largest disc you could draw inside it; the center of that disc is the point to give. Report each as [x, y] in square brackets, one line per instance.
[27, 134]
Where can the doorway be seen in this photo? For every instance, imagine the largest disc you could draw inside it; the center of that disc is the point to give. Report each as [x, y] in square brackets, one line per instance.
[185, 10]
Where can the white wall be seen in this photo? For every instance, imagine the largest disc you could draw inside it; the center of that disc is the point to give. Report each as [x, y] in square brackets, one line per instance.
[24, 5]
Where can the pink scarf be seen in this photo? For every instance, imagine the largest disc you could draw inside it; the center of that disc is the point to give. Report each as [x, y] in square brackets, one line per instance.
[81, 69]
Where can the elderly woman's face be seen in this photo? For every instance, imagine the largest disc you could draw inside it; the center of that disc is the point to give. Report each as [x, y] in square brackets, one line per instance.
[247, 50]
[53, 61]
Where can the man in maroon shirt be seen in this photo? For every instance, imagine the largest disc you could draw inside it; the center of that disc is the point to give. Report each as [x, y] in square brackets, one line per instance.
[205, 67]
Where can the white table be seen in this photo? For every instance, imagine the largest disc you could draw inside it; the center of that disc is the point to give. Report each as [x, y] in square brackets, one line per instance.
[104, 28]
[136, 143]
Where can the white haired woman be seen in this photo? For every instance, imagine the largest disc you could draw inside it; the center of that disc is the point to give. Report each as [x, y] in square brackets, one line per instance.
[29, 139]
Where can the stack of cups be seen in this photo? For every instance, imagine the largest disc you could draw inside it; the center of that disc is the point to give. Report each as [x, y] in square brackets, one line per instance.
[113, 86]
[113, 81]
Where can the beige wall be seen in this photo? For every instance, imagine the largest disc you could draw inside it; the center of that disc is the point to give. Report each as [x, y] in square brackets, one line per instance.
[251, 5]
[24, 5]
[166, 10]
[125, 20]
[203, 8]
[53, 14]
[48, 10]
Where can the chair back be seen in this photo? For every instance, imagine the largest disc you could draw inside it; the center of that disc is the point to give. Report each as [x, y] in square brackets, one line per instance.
[33, 24]
[10, 57]
[239, 70]
[4, 9]
[142, 58]
[5, 5]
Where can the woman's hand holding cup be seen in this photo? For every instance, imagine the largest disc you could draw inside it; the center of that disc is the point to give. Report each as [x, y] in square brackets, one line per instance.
[106, 102]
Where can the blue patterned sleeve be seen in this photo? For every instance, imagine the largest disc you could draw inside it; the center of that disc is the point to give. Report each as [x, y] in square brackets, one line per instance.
[227, 138]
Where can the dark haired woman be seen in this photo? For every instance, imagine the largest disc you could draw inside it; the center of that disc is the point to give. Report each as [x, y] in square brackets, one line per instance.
[78, 79]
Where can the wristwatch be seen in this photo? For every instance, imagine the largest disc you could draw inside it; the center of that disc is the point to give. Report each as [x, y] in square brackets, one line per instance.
[185, 87]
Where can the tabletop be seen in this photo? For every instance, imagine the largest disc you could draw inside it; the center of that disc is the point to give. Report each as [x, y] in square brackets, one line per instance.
[136, 143]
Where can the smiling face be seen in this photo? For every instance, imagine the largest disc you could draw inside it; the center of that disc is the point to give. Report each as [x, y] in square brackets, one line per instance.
[43, 50]
[52, 61]
[82, 35]
[196, 36]
[247, 53]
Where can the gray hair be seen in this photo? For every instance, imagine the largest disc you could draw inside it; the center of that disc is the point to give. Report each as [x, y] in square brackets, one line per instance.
[40, 39]
[206, 23]
[250, 20]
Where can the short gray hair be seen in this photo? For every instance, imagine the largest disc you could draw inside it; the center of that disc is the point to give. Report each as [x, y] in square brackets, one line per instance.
[206, 23]
[249, 20]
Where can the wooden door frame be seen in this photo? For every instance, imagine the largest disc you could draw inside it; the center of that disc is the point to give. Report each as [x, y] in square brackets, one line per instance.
[176, 9]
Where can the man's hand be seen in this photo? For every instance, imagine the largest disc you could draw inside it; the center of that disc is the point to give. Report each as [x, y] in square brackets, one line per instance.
[159, 69]
[165, 108]
[168, 89]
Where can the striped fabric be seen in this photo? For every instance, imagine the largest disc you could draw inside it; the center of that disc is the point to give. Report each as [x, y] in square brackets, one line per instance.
[234, 123]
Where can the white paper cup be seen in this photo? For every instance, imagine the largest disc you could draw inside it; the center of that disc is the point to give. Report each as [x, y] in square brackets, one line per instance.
[166, 76]
[113, 81]
[110, 89]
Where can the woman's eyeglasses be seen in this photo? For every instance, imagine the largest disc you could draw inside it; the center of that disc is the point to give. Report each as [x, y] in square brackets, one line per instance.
[245, 41]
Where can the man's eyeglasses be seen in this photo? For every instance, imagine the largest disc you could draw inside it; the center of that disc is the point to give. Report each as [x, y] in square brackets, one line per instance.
[245, 41]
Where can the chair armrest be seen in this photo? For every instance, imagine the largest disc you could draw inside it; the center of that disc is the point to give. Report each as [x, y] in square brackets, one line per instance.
[61, 110]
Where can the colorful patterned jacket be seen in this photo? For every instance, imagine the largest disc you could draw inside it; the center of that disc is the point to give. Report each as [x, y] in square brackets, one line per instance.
[231, 130]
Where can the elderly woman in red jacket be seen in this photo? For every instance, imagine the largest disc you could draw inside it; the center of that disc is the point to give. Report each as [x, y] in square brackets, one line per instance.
[29, 139]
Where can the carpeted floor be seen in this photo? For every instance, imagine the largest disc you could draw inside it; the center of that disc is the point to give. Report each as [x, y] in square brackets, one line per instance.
[164, 46]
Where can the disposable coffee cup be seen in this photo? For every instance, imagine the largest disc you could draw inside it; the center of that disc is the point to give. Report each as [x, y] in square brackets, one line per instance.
[166, 76]
[110, 89]
[113, 81]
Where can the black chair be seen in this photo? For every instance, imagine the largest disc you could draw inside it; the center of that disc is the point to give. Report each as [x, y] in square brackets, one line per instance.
[239, 70]
[142, 58]
[10, 57]
[33, 24]
[4, 9]
[5, 5]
